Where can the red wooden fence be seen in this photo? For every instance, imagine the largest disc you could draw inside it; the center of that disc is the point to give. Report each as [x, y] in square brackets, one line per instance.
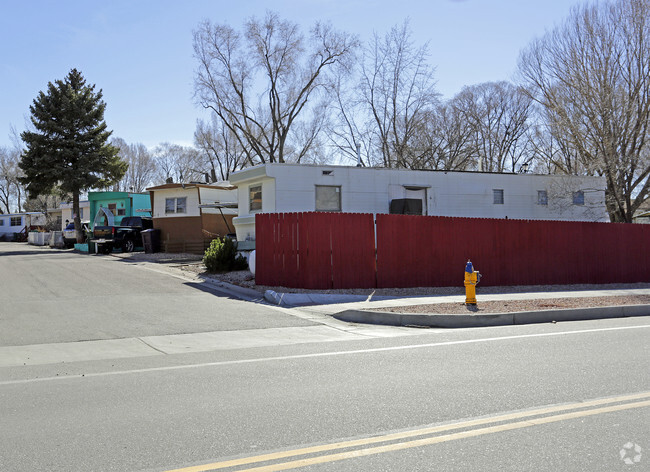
[315, 250]
[337, 250]
[508, 252]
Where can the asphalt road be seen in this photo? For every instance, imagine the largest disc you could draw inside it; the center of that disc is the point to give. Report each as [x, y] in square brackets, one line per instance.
[567, 396]
[53, 296]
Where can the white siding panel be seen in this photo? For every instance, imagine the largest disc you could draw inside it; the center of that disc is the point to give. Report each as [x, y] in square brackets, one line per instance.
[291, 188]
[216, 195]
[192, 207]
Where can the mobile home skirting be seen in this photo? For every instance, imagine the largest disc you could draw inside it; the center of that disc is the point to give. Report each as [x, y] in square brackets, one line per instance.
[191, 231]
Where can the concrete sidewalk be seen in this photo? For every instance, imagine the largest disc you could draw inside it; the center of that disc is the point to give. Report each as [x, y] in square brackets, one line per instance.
[58, 353]
[332, 312]
[360, 309]
[326, 308]
[333, 303]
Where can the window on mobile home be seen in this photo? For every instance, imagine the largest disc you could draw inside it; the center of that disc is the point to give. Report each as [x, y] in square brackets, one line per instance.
[170, 205]
[255, 198]
[497, 195]
[328, 198]
[175, 205]
[542, 197]
[181, 205]
[579, 198]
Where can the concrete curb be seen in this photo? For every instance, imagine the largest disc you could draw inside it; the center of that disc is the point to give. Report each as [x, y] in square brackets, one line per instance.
[275, 298]
[290, 300]
[491, 319]
[236, 291]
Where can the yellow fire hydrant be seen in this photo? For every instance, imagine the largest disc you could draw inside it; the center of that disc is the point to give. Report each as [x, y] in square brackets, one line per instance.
[472, 277]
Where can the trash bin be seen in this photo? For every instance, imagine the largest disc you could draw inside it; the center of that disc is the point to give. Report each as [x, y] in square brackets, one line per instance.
[91, 245]
[151, 240]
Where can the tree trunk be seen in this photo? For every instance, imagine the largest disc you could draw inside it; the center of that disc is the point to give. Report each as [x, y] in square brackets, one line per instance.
[77, 218]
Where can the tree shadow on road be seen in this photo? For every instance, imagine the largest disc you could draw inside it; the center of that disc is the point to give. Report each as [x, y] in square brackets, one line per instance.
[34, 253]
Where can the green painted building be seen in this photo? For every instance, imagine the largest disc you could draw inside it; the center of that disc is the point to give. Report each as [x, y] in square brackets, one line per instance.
[108, 208]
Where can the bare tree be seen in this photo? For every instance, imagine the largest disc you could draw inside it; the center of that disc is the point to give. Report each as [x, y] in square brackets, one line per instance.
[6, 181]
[592, 75]
[397, 87]
[142, 166]
[11, 190]
[306, 145]
[553, 153]
[45, 203]
[220, 151]
[262, 81]
[349, 126]
[176, 163]
[497, 113]
[449, 140]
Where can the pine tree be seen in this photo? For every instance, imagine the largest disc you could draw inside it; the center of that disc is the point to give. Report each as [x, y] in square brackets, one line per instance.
[68, 150]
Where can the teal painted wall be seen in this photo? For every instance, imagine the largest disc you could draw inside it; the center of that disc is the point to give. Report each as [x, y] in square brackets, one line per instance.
[141, 204]
[132, 204]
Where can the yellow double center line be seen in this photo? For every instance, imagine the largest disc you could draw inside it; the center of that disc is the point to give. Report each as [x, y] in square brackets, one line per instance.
[585, 409]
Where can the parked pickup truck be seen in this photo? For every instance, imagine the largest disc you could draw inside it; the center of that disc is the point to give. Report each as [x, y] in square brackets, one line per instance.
[125, 236]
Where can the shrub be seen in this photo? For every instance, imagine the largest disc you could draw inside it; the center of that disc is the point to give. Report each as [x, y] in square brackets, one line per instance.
[222, 256]
[240, 263]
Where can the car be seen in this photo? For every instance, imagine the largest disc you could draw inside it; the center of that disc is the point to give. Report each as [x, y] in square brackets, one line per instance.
[70, 235]
[126, 236]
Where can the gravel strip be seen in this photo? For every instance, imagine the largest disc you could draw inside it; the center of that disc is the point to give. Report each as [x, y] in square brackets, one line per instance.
[510, 306]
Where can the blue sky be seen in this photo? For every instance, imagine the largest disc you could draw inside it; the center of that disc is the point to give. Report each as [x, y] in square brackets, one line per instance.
[139, 52]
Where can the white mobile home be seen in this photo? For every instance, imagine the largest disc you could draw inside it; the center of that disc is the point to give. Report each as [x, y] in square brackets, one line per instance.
[193, 214]
[68, 215]
[279, 188]
[19, 222]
